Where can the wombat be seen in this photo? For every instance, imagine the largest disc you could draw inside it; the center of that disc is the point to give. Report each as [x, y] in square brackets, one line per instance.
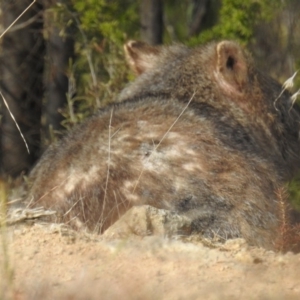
[201, 132]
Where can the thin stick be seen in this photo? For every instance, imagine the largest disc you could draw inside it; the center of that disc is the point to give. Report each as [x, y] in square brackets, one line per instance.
[174, 122]
[12, 24]
[69, 210]
[25, 24]
[163, 139]
[12, 116]
[101, 220]
[108, 162]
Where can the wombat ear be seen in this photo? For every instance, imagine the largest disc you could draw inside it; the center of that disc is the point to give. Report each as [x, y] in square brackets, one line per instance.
[141, 56]
[232, 69]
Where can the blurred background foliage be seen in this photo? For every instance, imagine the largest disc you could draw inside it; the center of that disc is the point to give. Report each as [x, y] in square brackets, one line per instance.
[269, 28]
[98, 73]
[79, 44]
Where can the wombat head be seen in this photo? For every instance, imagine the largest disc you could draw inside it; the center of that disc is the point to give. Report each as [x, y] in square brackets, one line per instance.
[221, 76]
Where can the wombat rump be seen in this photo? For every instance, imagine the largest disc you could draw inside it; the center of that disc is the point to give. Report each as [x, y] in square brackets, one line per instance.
[201, 132]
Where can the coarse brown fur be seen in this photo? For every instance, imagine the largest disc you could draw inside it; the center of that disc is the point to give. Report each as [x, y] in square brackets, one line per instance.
[198, 132]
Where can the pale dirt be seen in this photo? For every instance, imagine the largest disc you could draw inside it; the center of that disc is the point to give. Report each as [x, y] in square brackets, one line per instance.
[49, 262]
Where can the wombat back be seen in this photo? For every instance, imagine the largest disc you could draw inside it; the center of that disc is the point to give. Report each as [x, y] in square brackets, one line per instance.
[200, 132]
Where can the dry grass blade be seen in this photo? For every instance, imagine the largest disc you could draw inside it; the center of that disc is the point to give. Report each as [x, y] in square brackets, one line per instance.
[294, 98]
[109, 158]
[287, 85]
[14, 22]
[4, 247]
[3, 33]
[282, 197]
[101, 219]
[289, 234]
[12, 116]
[22, 214]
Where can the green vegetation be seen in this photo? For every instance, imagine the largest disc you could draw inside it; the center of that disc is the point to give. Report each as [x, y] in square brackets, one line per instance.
[294, 192]
[237, 20]
[99, 29]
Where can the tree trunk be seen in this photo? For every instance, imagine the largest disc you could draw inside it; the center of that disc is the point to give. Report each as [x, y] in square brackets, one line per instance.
[199, 10]
[60, 49]
[21, 84]
[152, 21]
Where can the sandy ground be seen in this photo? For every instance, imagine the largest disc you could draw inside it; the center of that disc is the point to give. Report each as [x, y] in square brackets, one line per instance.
[50, 262]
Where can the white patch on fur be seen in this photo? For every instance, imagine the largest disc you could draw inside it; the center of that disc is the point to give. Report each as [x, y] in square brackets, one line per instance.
[71, 183]
[92, 174]
[75, 177]
[142, 124]
[173, 152]
[127, 189]
[192, 167]
[179, 184]
[174, 135]
[122, 137]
